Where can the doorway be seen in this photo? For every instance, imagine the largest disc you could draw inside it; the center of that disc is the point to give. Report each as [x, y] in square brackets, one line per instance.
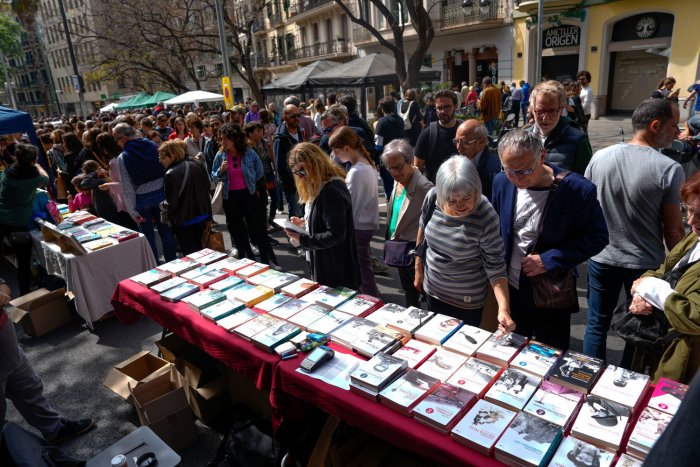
[634, 75]
[560, 67]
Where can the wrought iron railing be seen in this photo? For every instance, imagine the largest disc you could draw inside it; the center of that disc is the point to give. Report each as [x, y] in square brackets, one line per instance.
[319, 49]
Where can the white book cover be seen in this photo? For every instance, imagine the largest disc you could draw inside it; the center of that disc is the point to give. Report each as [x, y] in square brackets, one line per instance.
[622, 386]
[466, 340]
[330, 322]
[255, 295]
[408, 389]
[650, 425]
[232, 265]
[378, 371]
[178, 266]
[330, 297]
[151, 277]
[352, 331]
[199, 254]
[210, 278]
[273, 302]
[179, 292]
[308, 315]
[668, 395]
[387, 313]
[483, 424]
[411, 319]
[235, 292]
[442, 406]
[601, 422]
[225, 284]
[288, 308]
[530, 440]
[359, 304]
[501, 348]
[212, 257]
[167, 285]
[255, 326]
[626, 460]
[221, 310]
[573, 452]
[251, 270]
[438, 329]
[259, 279]
[299, 288]
[204, 298]
[554, 403]
[475, 375]
[230, 322]
[193, 273]
[536, 358]
[442, 364]
[513, 389]
[280, 281]
[372, 342]
[415, 352]
[279, 332]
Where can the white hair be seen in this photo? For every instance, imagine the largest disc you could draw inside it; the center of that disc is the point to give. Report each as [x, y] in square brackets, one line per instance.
[457, 175]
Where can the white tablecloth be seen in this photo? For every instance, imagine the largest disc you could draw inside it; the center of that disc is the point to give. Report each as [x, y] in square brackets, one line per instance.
[93, 277]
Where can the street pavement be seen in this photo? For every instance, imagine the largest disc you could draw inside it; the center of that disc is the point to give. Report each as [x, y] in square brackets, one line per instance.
[73, 361]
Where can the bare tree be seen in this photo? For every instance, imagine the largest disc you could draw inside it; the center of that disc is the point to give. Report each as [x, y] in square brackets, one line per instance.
[392, 12]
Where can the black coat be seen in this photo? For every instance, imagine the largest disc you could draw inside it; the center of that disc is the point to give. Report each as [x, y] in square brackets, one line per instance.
[331, 238]
[195, 200]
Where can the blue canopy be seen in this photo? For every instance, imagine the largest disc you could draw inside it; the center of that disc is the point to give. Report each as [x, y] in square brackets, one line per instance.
[15, 121]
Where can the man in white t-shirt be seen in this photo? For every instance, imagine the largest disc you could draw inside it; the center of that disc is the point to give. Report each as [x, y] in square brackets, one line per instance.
[586, 95]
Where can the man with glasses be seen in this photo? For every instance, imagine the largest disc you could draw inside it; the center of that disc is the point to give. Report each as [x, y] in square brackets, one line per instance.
[639, 189]
[472, 142]
[163, 127]
[435, 144]
[567, 147]
[286, 137]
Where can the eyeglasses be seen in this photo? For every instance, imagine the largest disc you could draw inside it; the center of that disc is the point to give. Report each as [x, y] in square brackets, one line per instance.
[444, 108]
[464, 142]
[330, 128]
[299, 173]
[689, 211]
[163, 157]
[522, 173]
[547, 112]
[293, 116]
[396, 168]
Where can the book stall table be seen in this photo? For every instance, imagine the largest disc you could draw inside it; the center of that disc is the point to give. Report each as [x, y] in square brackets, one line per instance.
[92, 277]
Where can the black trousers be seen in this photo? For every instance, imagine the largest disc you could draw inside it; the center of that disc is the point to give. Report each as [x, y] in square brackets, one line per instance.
[189, 237]
[24, 257]
[244, 217]
[407, 275]
[549, 326]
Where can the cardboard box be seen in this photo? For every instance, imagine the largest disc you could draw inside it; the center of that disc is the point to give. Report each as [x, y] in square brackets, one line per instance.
[161, 405]
[172, 346]
[242, 390]
[206, 392]
[41, 311]
[134, 371]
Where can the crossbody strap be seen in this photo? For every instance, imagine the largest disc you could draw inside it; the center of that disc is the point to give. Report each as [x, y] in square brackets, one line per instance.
[184, 180]
[552, 189]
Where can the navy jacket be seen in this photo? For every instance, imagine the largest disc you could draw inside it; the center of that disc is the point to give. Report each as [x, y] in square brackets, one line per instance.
[283, 142]
[489, 166]
[574, 228]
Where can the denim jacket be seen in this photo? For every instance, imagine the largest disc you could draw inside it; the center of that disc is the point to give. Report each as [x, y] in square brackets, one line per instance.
[252, 170]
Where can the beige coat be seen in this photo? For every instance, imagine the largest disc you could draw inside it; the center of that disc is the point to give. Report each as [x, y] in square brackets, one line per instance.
[409, 215]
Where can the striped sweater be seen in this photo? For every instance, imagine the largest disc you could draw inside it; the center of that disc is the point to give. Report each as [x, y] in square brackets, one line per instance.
[464, 254]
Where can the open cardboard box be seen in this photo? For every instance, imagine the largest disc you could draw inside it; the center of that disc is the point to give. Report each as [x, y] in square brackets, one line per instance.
[207, 389]
[161, 405]
[173, 346]
[136, 370]
[40, 311]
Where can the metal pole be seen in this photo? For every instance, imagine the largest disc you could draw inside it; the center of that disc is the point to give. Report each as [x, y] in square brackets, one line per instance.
[74, 62]
[10, 88]
[222, 38]
[540, 19]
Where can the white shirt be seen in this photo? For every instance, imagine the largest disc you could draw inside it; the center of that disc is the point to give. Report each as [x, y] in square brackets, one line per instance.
[529, 205]
[586, 96]
[656, 291]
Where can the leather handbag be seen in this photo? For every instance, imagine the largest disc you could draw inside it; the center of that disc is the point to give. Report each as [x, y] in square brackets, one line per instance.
[646, 332]
[213, 239]
[557, 288]
[399, 253]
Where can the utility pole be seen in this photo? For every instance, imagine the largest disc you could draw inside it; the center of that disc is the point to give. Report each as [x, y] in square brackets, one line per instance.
[8, 84]
[222, 38]
[76, 78]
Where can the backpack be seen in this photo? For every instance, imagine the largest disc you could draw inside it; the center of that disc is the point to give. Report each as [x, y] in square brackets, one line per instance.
[433, 135]
[407, 124]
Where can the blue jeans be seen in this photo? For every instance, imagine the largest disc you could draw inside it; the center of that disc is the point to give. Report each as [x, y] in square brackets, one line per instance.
[490, 125]
[148, 206]
[387, 181]
[604, 284]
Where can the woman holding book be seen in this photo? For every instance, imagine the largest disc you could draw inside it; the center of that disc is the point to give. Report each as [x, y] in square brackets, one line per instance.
[460, 250]
[330, 242]
[674, 289]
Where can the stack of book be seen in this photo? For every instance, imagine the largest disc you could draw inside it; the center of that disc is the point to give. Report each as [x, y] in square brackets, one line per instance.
[410, 320]
[299, 288]
[124, 235]
[386, 313]
[501, 348]
[266, 306]
[650, 425]
[277, 283]
[329, 322]
[442, 364]
[467, 340]
[151, 277]
[573, 452]
[407, 391]
[329, 297]
[255, 326]
[254, 295]
[260, 279]
[371, 377]
[476, 376]
[287, 309]
[442, 408]
[379, 339]
[225, 284]
[210, 277]
[361, 305]
[601, 422]
[351, 331]
[667, 396]
[221, 310]
[231, 322]
[536, 358]
[555, 403]
[482, 426]
[308, 315]
[200, 254]
[438, 329]
[238, 291]
[178, 266]
[415, 352]
[233, 265]
[166, 285]
[211, 257]
[273, 336]
[622, 386]
[576, 371]
[198, 271]
[513, 389]
[206, 298]
[528, 441]
[252, 269]
[179, 292]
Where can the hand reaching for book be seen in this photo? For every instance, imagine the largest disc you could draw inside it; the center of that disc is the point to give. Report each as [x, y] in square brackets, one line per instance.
[505, 322]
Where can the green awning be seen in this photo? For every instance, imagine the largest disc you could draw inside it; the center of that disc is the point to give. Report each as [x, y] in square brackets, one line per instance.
[127, 103]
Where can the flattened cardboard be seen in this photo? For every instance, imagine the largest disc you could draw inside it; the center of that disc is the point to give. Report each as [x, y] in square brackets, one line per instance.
[41, 311]
[134, 371]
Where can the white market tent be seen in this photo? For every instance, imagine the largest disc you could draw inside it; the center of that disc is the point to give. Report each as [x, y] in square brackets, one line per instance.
[108, 107]
[196, 97]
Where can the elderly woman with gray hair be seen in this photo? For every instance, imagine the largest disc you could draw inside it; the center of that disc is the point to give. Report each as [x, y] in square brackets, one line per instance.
[403, 212]
[461, 251]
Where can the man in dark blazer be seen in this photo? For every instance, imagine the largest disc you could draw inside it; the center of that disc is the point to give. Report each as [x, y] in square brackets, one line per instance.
[471, 141]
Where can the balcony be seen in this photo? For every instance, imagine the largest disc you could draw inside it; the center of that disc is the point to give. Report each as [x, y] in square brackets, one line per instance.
[274, 18]
[318, 50]
[300, 7]
[261, 61]
[452, 16]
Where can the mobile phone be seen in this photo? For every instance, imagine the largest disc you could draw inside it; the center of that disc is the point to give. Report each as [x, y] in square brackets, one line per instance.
[316, 358]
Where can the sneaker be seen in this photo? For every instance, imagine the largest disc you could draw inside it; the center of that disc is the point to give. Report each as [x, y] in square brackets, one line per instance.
[377, 266]
[71, 428]
[234, 253]
[256, 252]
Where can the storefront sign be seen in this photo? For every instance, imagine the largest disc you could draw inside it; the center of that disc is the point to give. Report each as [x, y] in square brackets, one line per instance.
[562, 36]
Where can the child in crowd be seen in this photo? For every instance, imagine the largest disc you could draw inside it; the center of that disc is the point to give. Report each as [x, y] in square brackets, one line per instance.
[81, 201]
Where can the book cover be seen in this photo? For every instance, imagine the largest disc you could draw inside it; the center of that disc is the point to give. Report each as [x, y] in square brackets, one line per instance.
[410, 320]
[360, 305]
[438, 329]
[668, 395]
[221, 310]
[576, 371]
[226, 283]
[308, 315]
[151, 277]
[554, 403]
[387, 313]
[238, 290]
[406, 391]
[267, 305]
[83, 218]
[442, 364]
[275, 335]
[601, 422]
[178, 266]
[179, 292]
[288, 308]
[378, 372]
[466, 340]
[650, 425]
[536, 358]
[99, 244]
[626, 460]
[415, 352]
[203, 299]
[251, 270]
[501, 348]
[513, 389]
[476, 376]
[622, 386]
[255, 295]
[441, 408]
[93, 222]
[329, 322]
[280, 281]
[330, 297]
[573, 452]
[351, 331]
[238, 318]
[198, 254]
[196, 272]
[299, 288]
[481, 427]
[372, 342]
[212, 257]
[232, 265]
[168, 284]
[87, 237]
[258, 279]
[528, 440]
[210, 278]
[255, 326]
[124, 235]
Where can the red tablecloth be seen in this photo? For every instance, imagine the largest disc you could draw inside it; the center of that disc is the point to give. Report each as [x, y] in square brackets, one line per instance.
[131, 300]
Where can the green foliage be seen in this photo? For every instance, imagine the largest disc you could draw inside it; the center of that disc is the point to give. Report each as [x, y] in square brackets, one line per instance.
[10, 36]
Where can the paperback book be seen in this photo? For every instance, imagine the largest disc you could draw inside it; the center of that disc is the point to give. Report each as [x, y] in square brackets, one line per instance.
[255, 295]
[626, 460]
[178, 266]
[555, 403]
[466, 340]
[601, 422]
[237, 291]
[266, 306]
[308, 315]
[87, 237]
[351, 331]
[288, 308]
[360, 305]
[573, 452]
[166, 285]
[577, 371]
[275, 335]
[622, 386]
[212, 257]
[481, 427]
[196, 272]
[476, 376]
[329, 322]
[210, 278]
[410, 320]
[438, 329]
[226, 283]
[179, 292]
[199, 254]
[528, 441]
[442, 364]
[299, 288]
[536, 358]
[203, 299]
[331, 297]
[99, 244]
[415, 352]
[376, 373]
[501, 348]
[258, 279]
[222, 310]
[251, 270]
[124, 235]
[513, 389]
[650, 425]
[408, 390]
[442, 408]
[668, 395]
[387, 313]
[278, 282]
[232, 265]
[375, 341]
[151, 277]
[238, 318]
[255, 326]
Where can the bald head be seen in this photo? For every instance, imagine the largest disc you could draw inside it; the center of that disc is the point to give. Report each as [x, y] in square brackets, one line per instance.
[471, 138]
[291, 116]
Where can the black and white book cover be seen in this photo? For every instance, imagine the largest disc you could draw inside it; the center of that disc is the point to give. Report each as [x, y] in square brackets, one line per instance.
[513, 389]
[601, 422]
[288, 309]
[501, 348]
[280, 281]
[151, 277]
[179, 292]
[387, 313]
[528, 440]
[377, 372]
[308, 315]
[466, 340]
[221, 310]
[351, 331]
[275, 335]
[329, 322]
[255, 326]
[481, 427]
[203, 299]
[231, 322]
[407, 390]
[373, 342]
[410, 320]
[360, 305]
[442, 364]
[166, 285]
[476, 375]
[415, 352]
[573, 452]
[439, 329]
[554, 403]
[536, 358]
[650, 425]
[622, 386]
[577, 371]
[442, 407]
